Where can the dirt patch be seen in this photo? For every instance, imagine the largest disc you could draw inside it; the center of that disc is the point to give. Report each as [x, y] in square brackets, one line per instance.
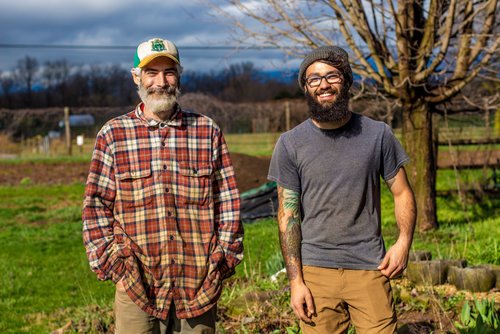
[250, 171]
[43, 173]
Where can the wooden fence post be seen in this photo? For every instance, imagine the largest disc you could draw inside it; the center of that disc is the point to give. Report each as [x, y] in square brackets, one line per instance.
[67, 129]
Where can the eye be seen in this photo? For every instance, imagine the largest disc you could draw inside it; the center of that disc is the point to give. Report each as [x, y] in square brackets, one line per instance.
[332, 76]
[313, 80]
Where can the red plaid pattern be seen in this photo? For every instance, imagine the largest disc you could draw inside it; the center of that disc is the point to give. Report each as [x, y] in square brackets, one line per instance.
[161, 211]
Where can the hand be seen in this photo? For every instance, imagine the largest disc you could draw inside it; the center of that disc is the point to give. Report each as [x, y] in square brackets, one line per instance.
[395, 260]
[302, 302]
[120, 286]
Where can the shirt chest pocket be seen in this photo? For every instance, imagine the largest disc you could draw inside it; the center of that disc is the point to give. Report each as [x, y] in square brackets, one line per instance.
[135, 187]
[194, 186]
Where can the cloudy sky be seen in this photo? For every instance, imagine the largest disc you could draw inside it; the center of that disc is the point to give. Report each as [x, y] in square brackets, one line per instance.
[123, 23]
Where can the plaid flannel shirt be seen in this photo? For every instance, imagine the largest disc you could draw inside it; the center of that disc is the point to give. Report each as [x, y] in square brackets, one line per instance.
[161, 211]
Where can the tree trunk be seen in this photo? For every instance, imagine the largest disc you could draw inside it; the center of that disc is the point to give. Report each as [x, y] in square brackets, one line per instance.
[418, 141]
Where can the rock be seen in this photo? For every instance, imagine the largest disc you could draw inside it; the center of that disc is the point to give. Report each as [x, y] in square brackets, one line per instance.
[475, 279]
[431, 272]
[496, 270]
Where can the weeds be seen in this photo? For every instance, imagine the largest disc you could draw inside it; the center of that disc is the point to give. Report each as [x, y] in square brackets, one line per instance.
[481, 318]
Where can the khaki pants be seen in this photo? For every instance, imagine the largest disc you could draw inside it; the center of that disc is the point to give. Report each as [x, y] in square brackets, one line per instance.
[362, 297]
[130, 319]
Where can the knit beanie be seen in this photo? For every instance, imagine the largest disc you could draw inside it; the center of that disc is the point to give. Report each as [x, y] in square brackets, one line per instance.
[332, 55]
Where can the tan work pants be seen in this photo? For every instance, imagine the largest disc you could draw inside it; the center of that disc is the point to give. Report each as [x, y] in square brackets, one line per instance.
[362, 297]
[130, 319]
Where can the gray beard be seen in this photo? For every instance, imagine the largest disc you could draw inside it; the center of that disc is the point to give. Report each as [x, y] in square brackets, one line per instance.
[329, 112]
[159, 104]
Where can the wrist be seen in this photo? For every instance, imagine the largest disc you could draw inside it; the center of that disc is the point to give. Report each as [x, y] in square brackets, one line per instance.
[297, 282]
[404, 244]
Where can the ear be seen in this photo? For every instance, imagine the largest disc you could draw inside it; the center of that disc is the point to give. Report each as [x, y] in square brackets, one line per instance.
[137, 78]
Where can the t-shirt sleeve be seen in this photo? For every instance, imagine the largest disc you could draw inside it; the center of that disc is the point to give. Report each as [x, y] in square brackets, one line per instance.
[393, 154]
[283, 169]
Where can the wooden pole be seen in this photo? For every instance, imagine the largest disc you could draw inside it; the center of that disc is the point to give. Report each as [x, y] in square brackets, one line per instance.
[67, 129]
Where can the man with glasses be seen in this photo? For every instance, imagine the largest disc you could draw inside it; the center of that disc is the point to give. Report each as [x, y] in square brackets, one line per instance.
[328, 171]
[161, 210]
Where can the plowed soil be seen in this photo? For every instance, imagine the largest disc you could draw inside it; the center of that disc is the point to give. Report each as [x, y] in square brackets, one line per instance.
[250, 171]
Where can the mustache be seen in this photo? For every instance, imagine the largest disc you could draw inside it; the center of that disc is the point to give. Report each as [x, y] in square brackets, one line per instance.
[332, 90]
[170, 90]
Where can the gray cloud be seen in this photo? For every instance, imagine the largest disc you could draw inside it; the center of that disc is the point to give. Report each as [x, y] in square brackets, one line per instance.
[124, 23]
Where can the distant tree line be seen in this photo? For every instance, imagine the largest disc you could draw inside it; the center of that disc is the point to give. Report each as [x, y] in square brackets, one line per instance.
[57, 83]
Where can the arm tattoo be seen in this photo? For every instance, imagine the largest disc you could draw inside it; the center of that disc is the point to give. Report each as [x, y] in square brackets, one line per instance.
[289, 221]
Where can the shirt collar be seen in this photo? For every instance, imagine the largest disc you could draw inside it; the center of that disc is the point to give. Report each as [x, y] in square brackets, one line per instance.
[174, 121]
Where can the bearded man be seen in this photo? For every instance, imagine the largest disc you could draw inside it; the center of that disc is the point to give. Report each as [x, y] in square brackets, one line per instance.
[328, 171]
[161, 209]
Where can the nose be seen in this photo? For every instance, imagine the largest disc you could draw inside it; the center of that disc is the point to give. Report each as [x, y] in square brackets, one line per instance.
[323, 84]
[160, 80]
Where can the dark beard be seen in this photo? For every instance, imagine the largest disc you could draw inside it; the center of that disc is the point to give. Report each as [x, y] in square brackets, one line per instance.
[330, 112]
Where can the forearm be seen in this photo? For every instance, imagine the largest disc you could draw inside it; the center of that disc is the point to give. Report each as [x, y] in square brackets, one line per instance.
[290, 233]
[405, 209]
[405, 213]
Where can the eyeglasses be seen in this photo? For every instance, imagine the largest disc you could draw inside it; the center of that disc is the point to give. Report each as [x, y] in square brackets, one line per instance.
[331, 78]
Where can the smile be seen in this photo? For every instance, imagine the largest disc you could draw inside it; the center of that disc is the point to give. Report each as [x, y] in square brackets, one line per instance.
[328, 96]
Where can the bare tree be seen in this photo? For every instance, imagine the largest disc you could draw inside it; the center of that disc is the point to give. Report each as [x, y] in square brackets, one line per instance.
[7, 83]
[420, 52]
[55, 76]
[26, 70]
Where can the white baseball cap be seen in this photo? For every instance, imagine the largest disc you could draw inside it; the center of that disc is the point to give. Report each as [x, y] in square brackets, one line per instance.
[153, 48]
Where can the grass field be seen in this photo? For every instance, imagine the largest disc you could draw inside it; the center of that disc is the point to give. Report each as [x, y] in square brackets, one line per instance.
[43, 262]
[46, 280]
[46, 283]
[256, 144]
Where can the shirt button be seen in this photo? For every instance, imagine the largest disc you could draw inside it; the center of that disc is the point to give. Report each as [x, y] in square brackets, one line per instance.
[195, 171]
[171, 237]
[169, 213]
[167, 190]
[163, 144]
[173, 261]
[165, 167]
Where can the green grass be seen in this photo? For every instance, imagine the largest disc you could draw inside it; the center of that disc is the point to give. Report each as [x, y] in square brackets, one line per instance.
[262, 251]
[46, 280]
[43, 263]
[256, 144]
[44, 267]
[469, 227]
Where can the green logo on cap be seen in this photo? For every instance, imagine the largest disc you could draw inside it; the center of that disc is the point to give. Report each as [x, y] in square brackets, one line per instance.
[157, 45]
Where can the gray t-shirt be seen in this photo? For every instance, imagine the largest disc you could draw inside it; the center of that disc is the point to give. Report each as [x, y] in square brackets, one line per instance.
[337, 173]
